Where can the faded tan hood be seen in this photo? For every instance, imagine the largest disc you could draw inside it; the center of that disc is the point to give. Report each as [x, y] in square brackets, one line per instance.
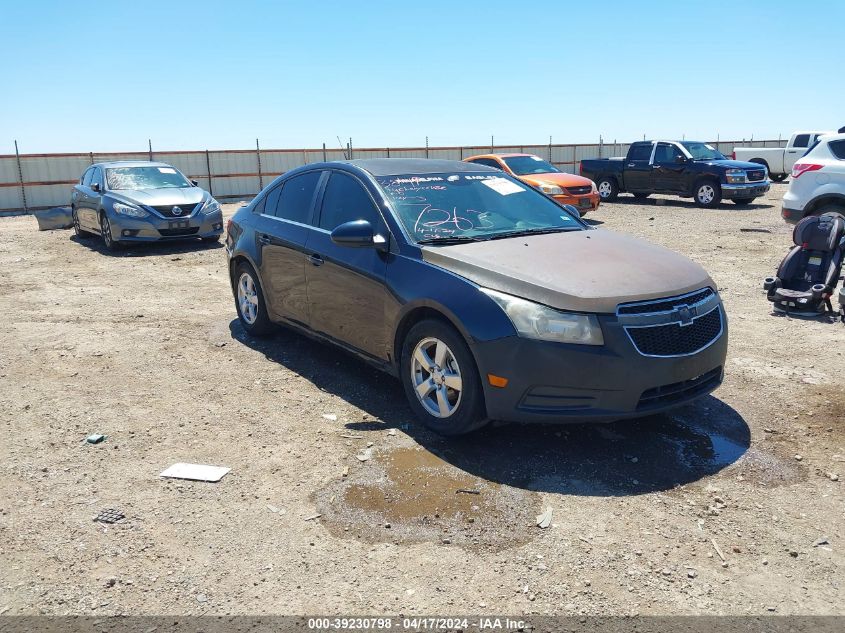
[584, 271]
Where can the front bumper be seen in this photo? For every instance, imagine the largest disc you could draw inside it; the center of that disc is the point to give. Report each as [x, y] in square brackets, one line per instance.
[584, 203]
[745, 190]
[555, 382]
[154, 228]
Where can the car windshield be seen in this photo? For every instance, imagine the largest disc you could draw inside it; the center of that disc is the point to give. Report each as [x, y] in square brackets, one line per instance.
[451, 207]
[702, 151]
[524, 165]
[147, 177]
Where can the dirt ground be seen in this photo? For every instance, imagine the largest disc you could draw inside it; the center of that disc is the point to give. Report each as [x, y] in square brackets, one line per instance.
[732, 505]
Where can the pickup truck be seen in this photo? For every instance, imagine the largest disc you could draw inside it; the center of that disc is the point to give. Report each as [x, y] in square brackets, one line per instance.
[689, 169]
[779, 160]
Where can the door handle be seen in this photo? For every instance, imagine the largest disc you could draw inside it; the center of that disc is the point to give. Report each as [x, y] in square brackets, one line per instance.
[630, 164]
[316, 260]
[263, 238]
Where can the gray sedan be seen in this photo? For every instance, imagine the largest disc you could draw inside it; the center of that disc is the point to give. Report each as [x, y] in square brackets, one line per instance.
[140, 201]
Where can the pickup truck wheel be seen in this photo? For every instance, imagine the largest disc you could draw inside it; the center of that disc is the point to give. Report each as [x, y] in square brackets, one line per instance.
[608, 189]
[743, 201]
[707, 193]
[778, 177]
[641, 195]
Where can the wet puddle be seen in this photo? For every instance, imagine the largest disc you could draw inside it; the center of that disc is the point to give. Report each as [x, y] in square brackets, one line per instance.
[412, 495]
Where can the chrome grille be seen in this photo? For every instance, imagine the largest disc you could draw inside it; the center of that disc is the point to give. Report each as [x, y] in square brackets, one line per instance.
[665, 305]
[167, 210]
[580, 191]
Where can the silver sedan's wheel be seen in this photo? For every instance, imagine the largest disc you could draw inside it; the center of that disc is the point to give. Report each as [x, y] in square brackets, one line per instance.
[248, 298]
[436, 377]
[705, 194]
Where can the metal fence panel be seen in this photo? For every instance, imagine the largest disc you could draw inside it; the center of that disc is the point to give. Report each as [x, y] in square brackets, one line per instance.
[235, 173]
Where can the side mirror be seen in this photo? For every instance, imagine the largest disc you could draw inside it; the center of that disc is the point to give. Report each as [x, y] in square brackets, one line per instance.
[95, 187]
[680, 159]
[194, 183]
[358, 234]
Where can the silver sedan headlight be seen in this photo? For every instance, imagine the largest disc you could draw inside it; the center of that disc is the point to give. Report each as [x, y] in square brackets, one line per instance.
[536, 321]
[125, 209]
[211, 206]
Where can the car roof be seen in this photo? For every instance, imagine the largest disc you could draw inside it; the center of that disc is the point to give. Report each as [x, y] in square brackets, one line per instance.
[500, 155]
[131, 163]
[416, 166]
[832, 137]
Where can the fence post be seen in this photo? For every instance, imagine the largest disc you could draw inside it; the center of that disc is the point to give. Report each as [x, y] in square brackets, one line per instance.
[574, 157]
[208, 167]
[461, 148]
[150, 145]
[350, 148]
[601, 142]
[324, 153]
[550, 148]
[492, 145]
[91, 157]
[258, 157]
[388, 152]
[20, 176]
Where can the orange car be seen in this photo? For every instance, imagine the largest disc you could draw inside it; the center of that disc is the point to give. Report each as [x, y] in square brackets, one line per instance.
[566, 188]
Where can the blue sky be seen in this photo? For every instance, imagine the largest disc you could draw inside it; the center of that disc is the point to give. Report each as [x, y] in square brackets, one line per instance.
[193, 75]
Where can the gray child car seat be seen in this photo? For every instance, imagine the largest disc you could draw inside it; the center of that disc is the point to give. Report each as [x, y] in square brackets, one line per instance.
[807, 276]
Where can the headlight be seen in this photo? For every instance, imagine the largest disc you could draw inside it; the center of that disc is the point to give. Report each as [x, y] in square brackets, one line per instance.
[211, 206]
[536, 321]
[552, 190]
[735, 176]
[125, 209]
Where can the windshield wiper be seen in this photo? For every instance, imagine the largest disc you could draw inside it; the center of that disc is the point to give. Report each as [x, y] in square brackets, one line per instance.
[519, 232]
[455, 239]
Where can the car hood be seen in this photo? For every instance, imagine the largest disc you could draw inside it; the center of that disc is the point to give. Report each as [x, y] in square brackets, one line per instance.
[160, 197]
[731, 164]
[582, 271]
[559, 179]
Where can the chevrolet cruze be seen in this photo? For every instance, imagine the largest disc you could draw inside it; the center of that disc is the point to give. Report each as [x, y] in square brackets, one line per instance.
[487, 299]
[140, 201]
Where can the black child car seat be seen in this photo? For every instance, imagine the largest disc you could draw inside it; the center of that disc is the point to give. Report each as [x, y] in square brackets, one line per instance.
[809, 273]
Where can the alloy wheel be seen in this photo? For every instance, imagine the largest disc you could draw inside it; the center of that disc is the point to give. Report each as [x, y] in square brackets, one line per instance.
[706, 193]
[105, 229]
[77, 228]
[436, 377]
[605, 189]
[248, 298]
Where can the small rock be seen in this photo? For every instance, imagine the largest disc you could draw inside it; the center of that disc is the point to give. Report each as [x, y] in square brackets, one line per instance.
[833, 476]
[692, 573]
[110, 582]
[793, 553]
[201, 597]
[392, 432]
[330, 416]
[387, 525]
[765, 561]
[822, 541]
[798, 458]
[666, 572]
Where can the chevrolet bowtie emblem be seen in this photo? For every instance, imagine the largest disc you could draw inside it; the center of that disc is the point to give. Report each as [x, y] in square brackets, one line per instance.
[684, 314]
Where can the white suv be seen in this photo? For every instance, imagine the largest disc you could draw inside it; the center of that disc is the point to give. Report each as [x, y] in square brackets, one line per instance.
[818, 181]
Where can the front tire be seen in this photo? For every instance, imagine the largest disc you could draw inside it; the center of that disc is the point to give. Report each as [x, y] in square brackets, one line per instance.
[249, 302]
[607, 188]
[440, 379]
[707, 194]
[105, 230]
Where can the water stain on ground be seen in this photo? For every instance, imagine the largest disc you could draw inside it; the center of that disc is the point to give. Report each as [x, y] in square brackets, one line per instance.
[409, 494]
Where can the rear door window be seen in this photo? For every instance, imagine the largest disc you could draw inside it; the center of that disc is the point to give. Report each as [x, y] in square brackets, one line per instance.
[837, 148]
[296, 197]
[346, 200]
[640, 151]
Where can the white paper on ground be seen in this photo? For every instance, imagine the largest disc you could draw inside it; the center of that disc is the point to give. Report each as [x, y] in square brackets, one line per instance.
[197, 472]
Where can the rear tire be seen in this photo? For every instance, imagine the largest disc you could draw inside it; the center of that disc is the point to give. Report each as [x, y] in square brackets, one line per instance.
[743, 201]
[77, 227]
[440, 379]
[707, 193]
[608, 189]
[249, 302]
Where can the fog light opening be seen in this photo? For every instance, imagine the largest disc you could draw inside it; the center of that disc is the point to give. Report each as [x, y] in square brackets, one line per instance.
[497, 381]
